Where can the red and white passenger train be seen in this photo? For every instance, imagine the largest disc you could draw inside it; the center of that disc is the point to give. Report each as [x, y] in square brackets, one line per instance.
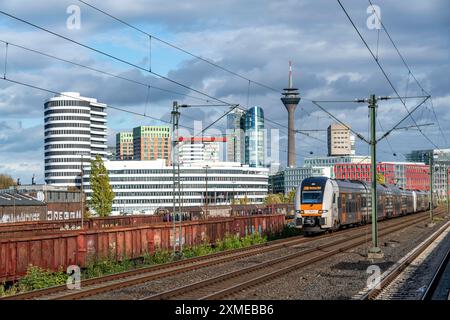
[324, 204]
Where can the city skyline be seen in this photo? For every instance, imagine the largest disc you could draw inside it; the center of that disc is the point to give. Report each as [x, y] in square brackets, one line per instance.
[320, 72]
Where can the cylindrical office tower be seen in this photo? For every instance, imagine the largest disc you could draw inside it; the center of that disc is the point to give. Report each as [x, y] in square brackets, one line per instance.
[75, 132]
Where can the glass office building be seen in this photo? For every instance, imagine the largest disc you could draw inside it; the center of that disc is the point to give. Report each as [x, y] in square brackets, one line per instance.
[254, 137]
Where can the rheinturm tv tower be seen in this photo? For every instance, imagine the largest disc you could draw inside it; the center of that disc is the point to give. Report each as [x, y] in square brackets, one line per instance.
[290, 100]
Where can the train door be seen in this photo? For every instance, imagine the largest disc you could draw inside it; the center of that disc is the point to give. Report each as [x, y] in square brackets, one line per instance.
[334, 207]
[358, 208]
[343, 213]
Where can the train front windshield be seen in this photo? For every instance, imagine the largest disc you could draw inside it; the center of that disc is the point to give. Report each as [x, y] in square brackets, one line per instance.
[312, 197]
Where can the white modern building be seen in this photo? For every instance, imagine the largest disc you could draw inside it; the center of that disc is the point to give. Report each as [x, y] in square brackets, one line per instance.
[144, 186]
[326, 161]
[236, 136]
[293, 177]
[75, 132]
[194, 149]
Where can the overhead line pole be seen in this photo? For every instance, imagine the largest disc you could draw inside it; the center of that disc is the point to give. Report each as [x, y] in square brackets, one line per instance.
[180, 236]
[375, 251]
[82, 192]
[431, 159]
[175, 117]
[446, 188]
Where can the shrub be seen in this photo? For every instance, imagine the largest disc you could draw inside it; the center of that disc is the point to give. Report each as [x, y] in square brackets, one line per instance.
[38, 278]
[105, 266]
[158, 257]
[235, 242]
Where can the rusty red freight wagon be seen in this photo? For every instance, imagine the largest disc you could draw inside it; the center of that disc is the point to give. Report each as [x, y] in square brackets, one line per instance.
[64, 248]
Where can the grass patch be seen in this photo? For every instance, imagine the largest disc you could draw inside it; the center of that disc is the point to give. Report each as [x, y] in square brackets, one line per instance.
[38, 278]
[35, 278]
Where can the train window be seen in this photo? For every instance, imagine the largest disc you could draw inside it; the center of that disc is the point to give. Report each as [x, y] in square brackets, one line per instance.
[311, 196]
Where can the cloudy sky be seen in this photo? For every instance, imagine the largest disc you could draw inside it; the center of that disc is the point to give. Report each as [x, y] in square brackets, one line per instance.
[253, 38]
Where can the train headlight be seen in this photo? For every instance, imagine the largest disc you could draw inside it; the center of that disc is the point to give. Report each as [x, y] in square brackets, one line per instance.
[302, 211]
[323, 211]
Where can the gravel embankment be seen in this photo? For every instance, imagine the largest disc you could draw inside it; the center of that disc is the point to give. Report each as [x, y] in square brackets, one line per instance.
[343, 275]
[338, 277]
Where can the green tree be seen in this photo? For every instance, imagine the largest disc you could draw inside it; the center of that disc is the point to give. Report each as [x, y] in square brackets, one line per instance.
[102, 193]
[6, 181]
[380, 178]
[244, 200]
[290, 197]
[273, 199]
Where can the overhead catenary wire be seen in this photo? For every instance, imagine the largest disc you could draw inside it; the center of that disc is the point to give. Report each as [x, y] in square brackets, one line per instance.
[396, 48]
[336, 119]
[438, 122]
[297, 131]
[151, 36]
[147, 99]
[101, 71]
[112, 57]
[148, 86]
[385, 74]
[80, 99]
[410, 73]
[179, 48]
[122, 60]
[6, 59]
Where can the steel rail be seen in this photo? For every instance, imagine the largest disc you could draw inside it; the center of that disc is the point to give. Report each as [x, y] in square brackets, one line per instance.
[236, 285]
[399, 269]
[434, 283]
[223, 255]
[103, 284]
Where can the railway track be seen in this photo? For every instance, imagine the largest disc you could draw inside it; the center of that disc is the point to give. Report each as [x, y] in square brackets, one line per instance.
[224, 285]
[125, 279]
[115, 281]
[437, 279]
[390, 285]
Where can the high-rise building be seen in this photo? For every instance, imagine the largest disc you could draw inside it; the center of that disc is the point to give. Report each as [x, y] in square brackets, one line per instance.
[124, 146]
[75, 132]
[339, 140]
[204, 149]
[151, 143]
[236, 136]
[254, 137]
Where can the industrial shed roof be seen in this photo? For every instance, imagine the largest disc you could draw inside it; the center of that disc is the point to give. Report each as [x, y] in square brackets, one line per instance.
[18, 199]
